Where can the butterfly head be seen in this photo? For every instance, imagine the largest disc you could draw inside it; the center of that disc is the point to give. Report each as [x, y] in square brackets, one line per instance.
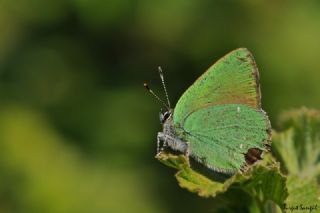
[164, 116]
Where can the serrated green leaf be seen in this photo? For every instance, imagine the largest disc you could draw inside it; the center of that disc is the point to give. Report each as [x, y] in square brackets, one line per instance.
[190, 179]
[263, 181]
[298, 146]
[284, 149]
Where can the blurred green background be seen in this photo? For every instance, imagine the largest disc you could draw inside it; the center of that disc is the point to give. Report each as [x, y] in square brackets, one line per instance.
[78, 130]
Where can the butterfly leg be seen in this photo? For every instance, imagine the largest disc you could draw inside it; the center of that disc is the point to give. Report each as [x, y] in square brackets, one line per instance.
[164, 138]
[187, 152]
[165, 144]
[160, 137]
[158, 143]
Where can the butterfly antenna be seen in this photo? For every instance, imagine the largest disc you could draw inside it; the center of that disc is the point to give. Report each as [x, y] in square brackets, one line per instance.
[157, 97]
[164, 85]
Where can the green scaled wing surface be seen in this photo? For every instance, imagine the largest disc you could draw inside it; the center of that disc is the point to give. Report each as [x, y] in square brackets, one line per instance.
[220, 114]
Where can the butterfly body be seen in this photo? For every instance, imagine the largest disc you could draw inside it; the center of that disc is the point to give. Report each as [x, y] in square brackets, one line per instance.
[218, 121]
[170, 138]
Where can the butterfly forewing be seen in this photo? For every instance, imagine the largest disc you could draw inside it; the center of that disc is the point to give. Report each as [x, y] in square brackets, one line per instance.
[231, 80]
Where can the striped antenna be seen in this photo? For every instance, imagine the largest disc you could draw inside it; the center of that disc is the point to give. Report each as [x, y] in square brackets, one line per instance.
[157, 97]
[164, 86]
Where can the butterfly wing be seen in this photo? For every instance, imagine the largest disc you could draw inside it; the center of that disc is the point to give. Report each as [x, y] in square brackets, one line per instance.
[232, 79]
[220, 115]
[220, 136]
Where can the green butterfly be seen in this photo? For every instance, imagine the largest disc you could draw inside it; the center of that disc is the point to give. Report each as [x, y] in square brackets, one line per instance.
[218, 121]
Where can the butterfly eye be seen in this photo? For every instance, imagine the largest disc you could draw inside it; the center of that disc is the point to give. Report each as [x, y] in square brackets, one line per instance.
[166, 115]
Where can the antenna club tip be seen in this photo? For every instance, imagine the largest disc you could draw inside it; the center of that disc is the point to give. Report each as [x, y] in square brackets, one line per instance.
[145, 84]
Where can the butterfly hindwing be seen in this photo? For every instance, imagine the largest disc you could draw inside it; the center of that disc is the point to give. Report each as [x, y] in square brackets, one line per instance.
[219, 136]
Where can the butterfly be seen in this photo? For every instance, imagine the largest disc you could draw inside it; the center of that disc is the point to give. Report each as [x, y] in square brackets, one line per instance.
[218, 121]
